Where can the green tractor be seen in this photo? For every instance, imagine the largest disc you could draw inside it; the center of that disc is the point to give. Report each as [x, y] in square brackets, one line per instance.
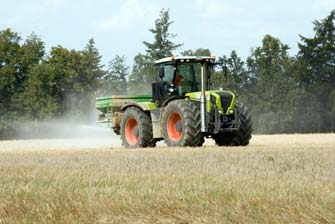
[182, 110]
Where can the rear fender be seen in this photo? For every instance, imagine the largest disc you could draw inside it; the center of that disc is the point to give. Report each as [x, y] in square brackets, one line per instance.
[145, 106]
[155, 114]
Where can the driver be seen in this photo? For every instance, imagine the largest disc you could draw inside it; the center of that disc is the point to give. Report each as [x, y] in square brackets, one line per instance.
[179, 79]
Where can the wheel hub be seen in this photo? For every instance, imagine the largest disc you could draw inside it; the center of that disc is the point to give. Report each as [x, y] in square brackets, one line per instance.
[132, 131]
[136, 131]
[175, 126]
[179, 126]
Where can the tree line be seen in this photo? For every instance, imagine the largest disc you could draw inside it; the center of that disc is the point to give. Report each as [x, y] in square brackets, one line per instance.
[285, 93]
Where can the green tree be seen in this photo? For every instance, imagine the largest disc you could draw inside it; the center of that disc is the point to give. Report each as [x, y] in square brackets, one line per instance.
[115, 80]
[39, 98]
[304, 118]
[143, 71]
[269, 75]
[65, 67]
[9, 67]
[92, 72]
[332, 110]
[316, 65]
[237, 78]
[270, 72]
[238, 74]
[30, 53]
[77, 76]
[89, 79]
[142, 75]
[162, 46]
[33, 87]
[197, 52]
[9, 74]
[15, 62]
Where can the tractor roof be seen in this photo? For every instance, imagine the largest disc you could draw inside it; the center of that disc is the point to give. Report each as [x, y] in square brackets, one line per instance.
[185, 59]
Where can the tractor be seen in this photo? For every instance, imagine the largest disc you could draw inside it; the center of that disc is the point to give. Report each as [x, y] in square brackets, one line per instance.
[182, 109]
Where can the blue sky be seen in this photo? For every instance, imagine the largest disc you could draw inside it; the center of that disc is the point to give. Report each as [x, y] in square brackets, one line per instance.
[119, 27]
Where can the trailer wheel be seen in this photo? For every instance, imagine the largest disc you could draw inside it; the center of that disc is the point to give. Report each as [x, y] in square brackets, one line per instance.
[181, 124]
[243, 135]
[136, 129]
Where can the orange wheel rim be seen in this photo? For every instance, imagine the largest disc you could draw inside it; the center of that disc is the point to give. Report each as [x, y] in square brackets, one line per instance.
[173, 131]
[131, 131]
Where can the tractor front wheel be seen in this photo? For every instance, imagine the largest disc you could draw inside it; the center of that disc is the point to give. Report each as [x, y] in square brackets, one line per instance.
[240, 137]
[181, 124]
[136, 129]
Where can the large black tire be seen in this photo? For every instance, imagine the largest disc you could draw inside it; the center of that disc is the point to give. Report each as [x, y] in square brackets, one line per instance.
[136, 129]
[196, 108]
[242, 136]
[182, 124]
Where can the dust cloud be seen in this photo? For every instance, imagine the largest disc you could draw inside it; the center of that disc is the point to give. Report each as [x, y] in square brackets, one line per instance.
[63, 133]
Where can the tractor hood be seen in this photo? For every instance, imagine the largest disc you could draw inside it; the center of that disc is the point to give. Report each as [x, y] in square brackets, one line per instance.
[223, 100]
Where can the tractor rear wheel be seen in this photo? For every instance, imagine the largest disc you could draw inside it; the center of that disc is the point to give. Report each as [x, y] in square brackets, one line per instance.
[240, 137]
[136, 129]
[182, 124]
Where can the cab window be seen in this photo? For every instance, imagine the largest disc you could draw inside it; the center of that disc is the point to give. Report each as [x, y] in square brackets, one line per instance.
[191, 77]
[168, 73]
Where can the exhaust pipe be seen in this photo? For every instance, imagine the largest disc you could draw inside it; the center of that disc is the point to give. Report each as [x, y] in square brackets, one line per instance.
[203, 111]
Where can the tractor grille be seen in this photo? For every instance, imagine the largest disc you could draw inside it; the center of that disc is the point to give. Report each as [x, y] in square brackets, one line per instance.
[226, 99]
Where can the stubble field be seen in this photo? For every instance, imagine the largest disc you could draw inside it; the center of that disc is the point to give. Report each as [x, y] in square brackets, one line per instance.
[276, 179]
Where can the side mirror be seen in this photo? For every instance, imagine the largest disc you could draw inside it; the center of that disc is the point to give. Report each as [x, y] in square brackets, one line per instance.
[225, 68]
[209, 73]
[161, 72]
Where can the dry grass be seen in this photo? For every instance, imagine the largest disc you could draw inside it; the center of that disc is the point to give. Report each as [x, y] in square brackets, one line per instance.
[277, 179]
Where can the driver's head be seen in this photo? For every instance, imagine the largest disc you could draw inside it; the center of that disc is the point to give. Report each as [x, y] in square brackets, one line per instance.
[179, 79]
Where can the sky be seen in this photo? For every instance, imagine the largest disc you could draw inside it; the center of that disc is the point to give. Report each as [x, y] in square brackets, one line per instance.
[119, 27]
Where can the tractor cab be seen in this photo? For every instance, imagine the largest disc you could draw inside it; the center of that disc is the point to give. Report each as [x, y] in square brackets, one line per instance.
[178, 76]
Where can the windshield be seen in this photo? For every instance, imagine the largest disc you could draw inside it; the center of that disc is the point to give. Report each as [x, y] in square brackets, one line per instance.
[186, 77]
[190, 76]
[168, 72]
